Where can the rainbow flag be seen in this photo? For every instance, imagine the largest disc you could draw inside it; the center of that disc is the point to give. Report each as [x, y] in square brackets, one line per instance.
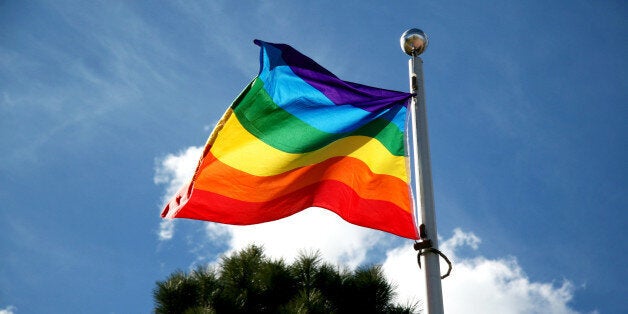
[300, 137]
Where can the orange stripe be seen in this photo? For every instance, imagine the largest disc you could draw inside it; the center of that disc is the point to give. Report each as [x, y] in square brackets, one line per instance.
[215, 176]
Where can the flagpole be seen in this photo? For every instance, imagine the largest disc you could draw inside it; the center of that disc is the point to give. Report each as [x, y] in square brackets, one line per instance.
[414, 42]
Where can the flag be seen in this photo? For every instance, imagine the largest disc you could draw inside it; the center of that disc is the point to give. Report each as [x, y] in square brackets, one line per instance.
[297, 137]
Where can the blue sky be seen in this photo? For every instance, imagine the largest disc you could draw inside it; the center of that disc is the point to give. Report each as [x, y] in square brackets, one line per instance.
[104, 105]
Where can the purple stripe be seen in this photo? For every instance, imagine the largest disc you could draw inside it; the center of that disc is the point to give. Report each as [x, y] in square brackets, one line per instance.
[368, 98]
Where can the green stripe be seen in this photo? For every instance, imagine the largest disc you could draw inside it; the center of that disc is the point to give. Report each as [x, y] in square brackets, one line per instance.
[257, 112]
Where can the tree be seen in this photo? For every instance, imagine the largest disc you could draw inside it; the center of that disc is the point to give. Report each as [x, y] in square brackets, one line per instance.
[250, 282]
[186, 293]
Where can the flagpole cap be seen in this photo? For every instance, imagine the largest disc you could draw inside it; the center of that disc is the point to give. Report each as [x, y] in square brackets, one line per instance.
[413, 42]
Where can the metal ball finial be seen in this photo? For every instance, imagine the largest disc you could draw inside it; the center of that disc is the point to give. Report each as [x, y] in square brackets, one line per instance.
[413, 42]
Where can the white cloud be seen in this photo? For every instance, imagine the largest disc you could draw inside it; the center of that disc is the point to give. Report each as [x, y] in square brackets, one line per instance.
[312, 229]
[174, 171]
[8, 310]
[166, 229]
[476, 285]
[479, 284]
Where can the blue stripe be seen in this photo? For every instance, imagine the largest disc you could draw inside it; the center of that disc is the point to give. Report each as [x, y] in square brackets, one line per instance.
[305, 102]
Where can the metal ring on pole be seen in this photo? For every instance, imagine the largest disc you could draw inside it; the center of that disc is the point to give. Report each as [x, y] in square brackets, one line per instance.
[433, 250]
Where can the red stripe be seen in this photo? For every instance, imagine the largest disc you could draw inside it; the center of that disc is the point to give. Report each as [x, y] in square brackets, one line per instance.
[332, 195]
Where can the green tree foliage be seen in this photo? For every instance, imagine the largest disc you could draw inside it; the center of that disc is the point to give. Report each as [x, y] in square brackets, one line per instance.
[250, 282]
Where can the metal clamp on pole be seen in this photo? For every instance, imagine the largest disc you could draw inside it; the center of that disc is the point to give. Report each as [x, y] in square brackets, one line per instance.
[425, 246]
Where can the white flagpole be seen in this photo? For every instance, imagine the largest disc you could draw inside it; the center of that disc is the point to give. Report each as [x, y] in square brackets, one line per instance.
[414, 42]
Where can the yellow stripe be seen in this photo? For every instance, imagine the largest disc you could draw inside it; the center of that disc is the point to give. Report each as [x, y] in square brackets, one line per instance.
[238, 148]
